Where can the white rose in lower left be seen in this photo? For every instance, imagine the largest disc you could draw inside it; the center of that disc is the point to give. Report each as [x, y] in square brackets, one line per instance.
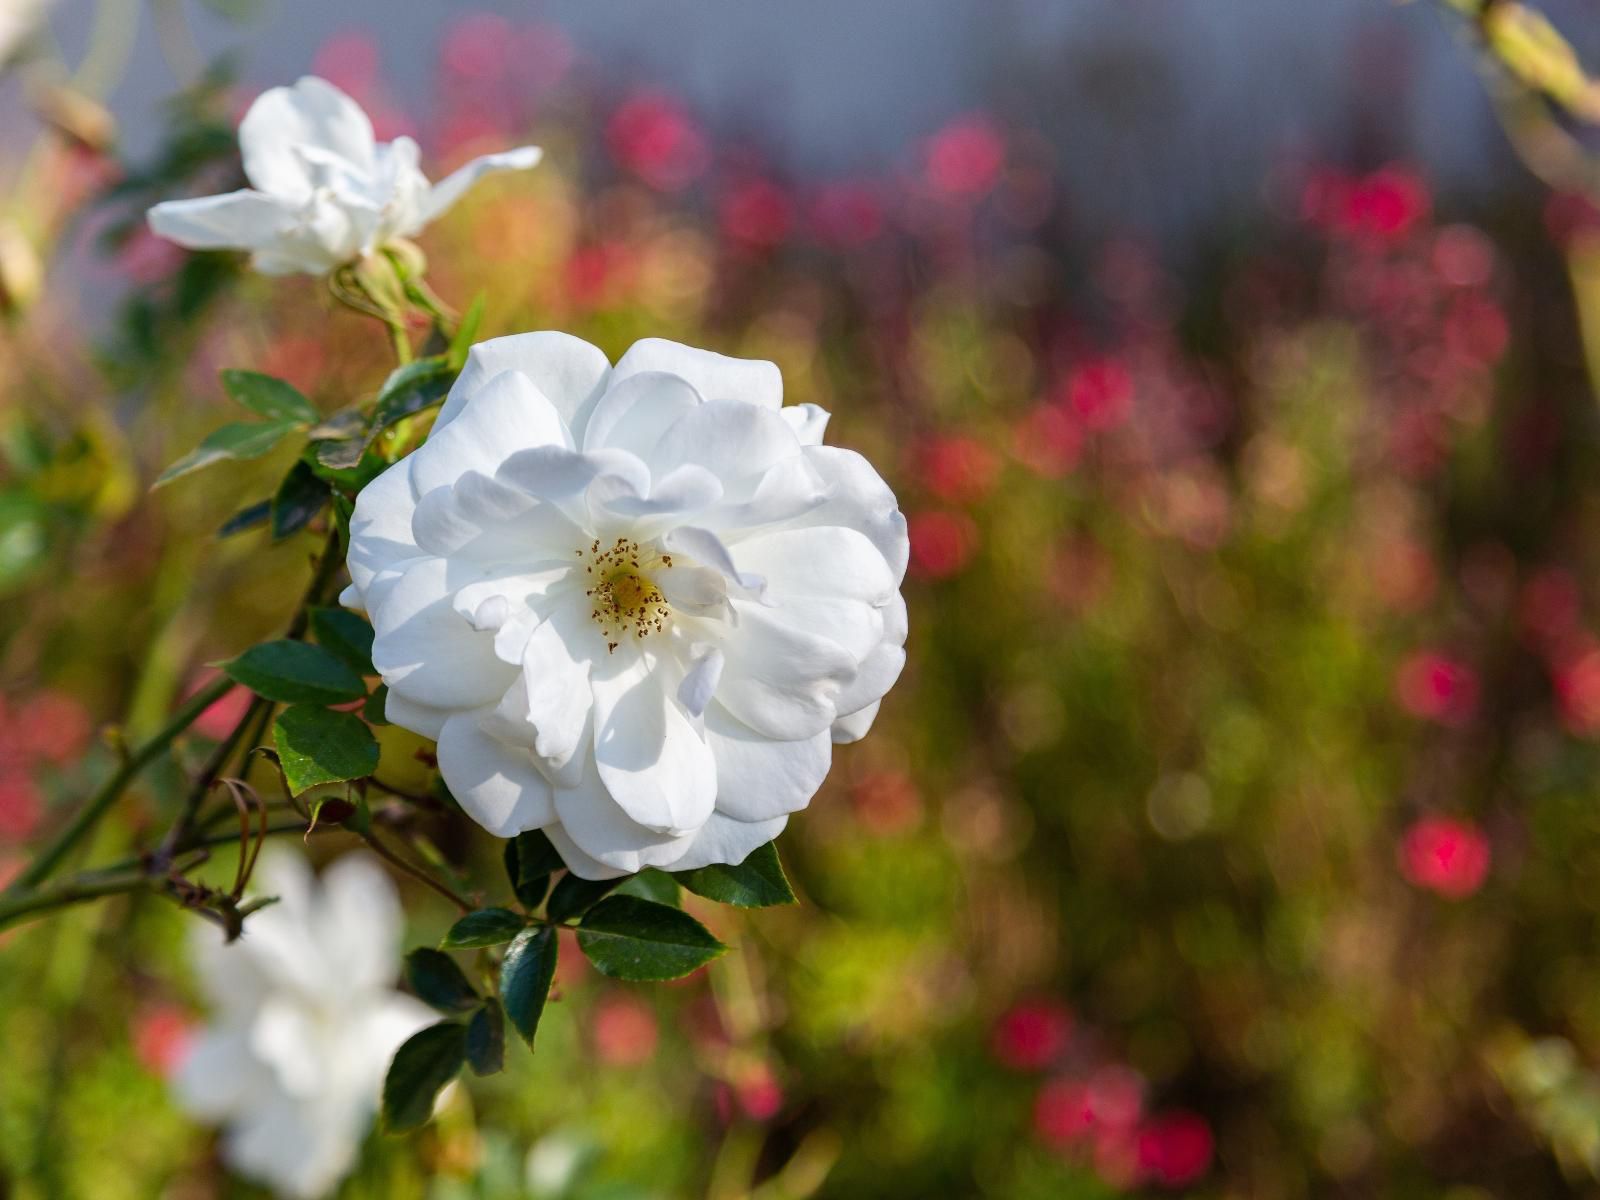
[305, 1020]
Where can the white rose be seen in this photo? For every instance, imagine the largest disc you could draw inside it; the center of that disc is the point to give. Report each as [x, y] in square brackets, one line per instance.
[19, 19]
[306, 1021]
[325, 191]
[635, 605]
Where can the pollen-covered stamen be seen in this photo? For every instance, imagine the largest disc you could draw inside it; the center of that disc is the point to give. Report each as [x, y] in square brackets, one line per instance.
[624, 601]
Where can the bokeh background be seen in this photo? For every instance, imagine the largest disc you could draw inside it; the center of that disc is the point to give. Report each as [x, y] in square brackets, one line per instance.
[1233, 831]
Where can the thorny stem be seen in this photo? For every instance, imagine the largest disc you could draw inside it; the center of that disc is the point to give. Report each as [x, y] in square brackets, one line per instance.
[417, 873]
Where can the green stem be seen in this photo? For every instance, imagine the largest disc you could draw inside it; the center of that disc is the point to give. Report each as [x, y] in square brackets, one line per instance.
[65, 895]
[52, 855]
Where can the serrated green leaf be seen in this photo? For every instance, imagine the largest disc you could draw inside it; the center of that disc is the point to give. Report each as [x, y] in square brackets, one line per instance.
[435, 978]
[757, 882]
[525, 975]
[298, 500]
[320, 745]
[410, 389]
[629, 938]
[485, 927]
[466, 332]
[650, 884]
[421, 1067]
[271, 398]
[574, 895]
[486, 1039]
[347, 634]
[296, 673]
[240, 440]
[258, 513]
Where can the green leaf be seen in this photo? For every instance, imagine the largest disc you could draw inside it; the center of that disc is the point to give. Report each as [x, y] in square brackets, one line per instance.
[573, 896]
[651, 884]
[410, 389]
[295, 673]
[258, 513]
[435, 978]
[757, 882]
[466, 332]
[530, 861]
[486, 927]
[525, 975]
[347, 634]
[372, 710]
[486, 1039]
[341, 456]
[428, 1060]
[271, 398]
[319, 745]
[629, 938]
[236, 441]
[298, 500]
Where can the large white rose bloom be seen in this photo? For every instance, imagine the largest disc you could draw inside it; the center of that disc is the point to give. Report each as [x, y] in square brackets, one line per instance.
[306, 1020]
[635, 605]
[325, 192]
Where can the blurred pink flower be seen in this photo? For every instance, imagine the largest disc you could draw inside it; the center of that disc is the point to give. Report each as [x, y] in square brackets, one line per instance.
[625, 1031]
[1106, 1106]
[1577, 681]
[1463, 256]
[651, 135]
[1099, 393]
[477, 48]
[1550, 605]
[161, 1036]
[1031, 1035]
[51, 726]
[1175, 1149]
[958, 469]
[942, 543]
[1445, 855]
[146, 258]
[887, 803]
[1386, 204]
[1475, 330]
[1048, 441]
[965, 157]
[756, 213]
[846, 215]
[1062, 1113]
[222, 715]
[1436, 687]
[758, 1093]
[21, 806]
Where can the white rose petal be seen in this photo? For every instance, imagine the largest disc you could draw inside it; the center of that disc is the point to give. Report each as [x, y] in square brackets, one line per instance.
[638, 605]
[324, 192]
[306, 1020]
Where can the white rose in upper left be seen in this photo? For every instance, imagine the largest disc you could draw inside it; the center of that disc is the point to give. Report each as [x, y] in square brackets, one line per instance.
[306, 1021]
[325, 192]
[18, 20]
